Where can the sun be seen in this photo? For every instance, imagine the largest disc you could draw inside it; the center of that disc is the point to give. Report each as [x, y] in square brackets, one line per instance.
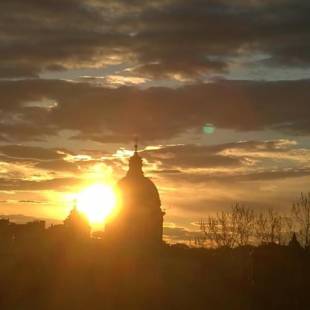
[97, 202]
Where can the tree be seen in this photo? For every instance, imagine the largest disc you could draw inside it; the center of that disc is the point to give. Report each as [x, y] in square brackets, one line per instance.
[220, 229]
[243, 219]
[261, 228]
[269, 227]
[301, 214]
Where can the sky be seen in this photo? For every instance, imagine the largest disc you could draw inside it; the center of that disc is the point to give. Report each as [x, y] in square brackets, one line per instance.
[216, 91]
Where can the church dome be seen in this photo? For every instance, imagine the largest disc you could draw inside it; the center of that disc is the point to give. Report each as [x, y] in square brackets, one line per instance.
[136, 190]
[140, 217]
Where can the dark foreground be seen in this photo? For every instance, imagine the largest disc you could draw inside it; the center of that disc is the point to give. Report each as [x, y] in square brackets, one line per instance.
[91, 275]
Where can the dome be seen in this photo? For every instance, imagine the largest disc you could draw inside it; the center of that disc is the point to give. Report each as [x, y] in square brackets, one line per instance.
[138, 192]
[135, 189]
[140, 218]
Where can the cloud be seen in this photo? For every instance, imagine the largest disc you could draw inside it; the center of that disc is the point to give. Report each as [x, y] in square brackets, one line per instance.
[31, 152]
[58, 166]
[237, 178]
[37, 35]
[57, 184]
[160, 38]
[114, 81]
[117, 115]
[37, 168]
[179, 234]
[33, 159]
[190, 156]
[231, 162]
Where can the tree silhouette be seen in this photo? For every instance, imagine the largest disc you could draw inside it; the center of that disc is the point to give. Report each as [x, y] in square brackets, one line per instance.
[220, 229]
[243, 218]
[301, 214]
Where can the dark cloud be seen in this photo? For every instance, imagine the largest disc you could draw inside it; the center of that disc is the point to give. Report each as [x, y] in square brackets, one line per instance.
[117, 115]
[234, 178]
[174, 164]
[174, 158]
[57, 184]
[43, 158]
[161, 38]
[41, 35]
[31, 152]
[190, 156]
[235, 162]
[272, 175]
[51, 159]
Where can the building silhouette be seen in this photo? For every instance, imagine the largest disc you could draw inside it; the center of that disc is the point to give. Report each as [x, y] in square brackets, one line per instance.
[140, 217]
[77, 224]
[75, 227]
[294, 244]
[13, 232]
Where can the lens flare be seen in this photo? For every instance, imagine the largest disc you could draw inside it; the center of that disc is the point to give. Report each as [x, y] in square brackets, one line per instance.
[208, 129]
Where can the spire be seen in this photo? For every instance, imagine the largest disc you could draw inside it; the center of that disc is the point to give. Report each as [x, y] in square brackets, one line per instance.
[136, 145]
[135, 162]
[294, 243]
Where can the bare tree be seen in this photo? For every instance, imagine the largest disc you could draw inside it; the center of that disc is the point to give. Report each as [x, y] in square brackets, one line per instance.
[243, 219]
[275, 221]
[261, 228]
[288, 228]
[301, 214]
[242, 226]
[269, 227]
[220, 230]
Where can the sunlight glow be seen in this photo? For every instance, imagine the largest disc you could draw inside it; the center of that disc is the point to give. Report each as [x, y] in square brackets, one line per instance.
[97, 202]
